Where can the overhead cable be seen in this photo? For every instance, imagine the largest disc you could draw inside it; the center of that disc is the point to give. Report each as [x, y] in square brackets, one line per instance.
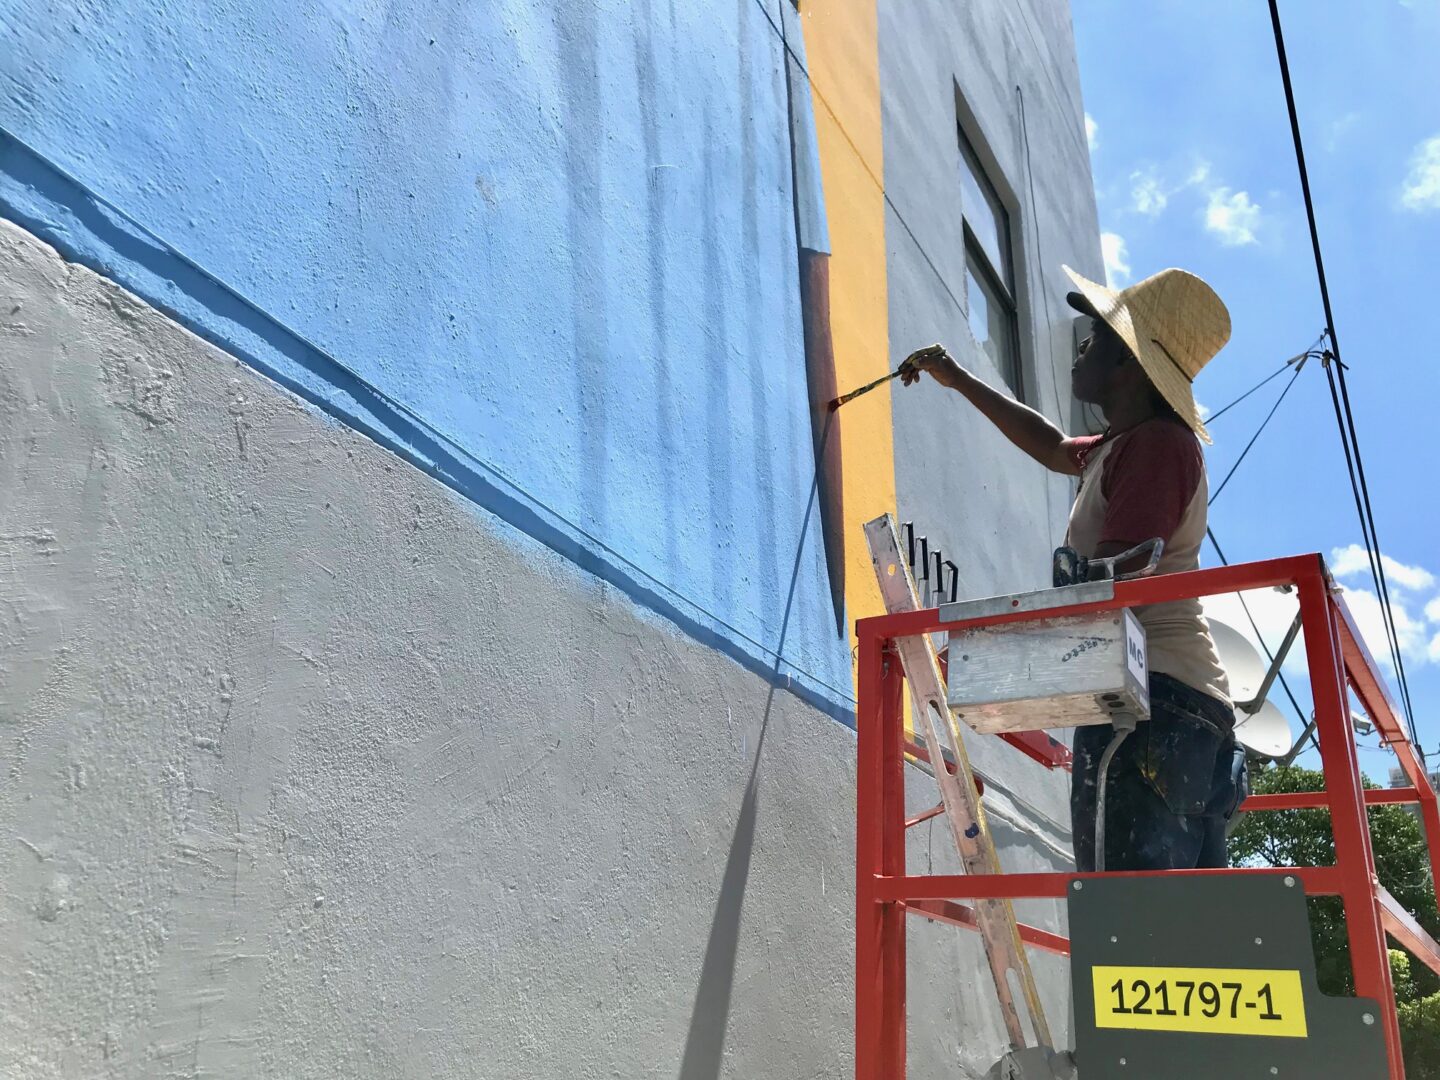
[1263, 424]
[1308, 354]
[1343, 415]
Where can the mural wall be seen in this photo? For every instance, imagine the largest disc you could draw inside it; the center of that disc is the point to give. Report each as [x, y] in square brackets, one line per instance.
[548, 250]
[597, 265]
[567, 721]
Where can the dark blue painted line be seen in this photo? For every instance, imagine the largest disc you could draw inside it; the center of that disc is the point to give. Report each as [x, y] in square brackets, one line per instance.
[88, 231]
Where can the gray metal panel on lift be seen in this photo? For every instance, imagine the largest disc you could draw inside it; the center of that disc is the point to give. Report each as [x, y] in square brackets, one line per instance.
[1219, 921]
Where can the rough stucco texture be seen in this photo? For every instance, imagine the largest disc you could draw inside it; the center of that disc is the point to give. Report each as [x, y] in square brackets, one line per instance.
[314, 771]
[561, 234]
[991, 509]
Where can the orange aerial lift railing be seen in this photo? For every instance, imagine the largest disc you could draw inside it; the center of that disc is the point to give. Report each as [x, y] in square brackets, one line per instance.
[887, 894]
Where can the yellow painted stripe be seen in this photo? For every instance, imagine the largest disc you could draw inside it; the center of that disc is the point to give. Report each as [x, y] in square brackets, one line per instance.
[843, 53]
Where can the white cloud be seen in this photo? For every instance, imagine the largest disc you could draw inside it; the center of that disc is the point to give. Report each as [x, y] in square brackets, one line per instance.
[1365, 607]
[1147, 195]
[1421, 190]
[1354, 559]
[1117, 264]
[1349, 561]
[1418, 632]
[1419, 643]
[1203, 409]
[1092, 130]
[1407, 577]
[1232, 217]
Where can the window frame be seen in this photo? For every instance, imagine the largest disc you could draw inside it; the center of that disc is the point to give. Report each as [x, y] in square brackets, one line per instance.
[976, 256]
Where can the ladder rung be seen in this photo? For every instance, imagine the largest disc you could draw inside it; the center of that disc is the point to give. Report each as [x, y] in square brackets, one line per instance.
[948, 911]
[934, 812]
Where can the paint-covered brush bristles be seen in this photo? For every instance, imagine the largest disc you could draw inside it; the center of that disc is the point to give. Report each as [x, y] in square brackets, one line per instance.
[843, 398]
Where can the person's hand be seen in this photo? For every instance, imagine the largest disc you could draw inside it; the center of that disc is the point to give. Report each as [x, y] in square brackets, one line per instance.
[934, 359]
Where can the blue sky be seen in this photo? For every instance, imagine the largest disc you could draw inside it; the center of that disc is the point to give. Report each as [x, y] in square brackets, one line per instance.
[1193, 167]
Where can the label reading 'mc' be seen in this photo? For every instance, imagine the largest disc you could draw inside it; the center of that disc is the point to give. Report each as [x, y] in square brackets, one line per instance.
[1135, 649]
[1215, 1001]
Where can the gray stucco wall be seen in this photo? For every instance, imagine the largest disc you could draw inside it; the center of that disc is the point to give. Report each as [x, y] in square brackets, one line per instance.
[314, 771]
[995, 513]
[993, 510]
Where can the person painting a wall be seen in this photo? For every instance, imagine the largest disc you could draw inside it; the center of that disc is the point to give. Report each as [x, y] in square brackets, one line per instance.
[1175, 783]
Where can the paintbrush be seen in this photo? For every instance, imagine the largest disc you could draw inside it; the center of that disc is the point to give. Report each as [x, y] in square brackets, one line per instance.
[843, 398]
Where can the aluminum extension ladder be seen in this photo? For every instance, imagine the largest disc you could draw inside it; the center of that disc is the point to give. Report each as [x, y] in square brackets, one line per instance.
[958, 791]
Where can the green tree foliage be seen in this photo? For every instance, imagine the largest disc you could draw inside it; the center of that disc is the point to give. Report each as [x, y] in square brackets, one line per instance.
[1402, 976]
[1420, 1036]
[1303, 838]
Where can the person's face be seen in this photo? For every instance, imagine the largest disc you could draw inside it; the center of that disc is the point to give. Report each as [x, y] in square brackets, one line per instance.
[1100, 357]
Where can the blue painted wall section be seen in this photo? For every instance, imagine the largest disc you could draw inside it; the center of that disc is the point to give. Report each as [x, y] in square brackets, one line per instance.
[546, 252]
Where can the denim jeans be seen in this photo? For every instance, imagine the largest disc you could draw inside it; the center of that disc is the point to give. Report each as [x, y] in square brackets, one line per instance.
[1174, 784]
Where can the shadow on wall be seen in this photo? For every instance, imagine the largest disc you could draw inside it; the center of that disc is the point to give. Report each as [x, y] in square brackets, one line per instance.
[812, 242]
[710, 1015]
[705, 1041]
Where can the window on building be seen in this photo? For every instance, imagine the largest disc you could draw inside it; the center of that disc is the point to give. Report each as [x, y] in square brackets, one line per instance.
[989, 271]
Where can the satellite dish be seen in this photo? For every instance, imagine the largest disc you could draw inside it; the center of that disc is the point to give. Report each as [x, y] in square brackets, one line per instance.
[1243, 667]
[1266, 732]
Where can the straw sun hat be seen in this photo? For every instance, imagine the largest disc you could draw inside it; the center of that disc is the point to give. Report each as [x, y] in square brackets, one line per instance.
[1174, 324]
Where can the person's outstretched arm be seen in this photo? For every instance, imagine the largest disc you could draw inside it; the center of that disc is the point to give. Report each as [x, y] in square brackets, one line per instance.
[1019, 423]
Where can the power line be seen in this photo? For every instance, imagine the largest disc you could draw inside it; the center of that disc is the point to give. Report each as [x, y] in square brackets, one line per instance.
[1268, 379]
[1299, 362]
[1347, 421]
[1263, 424]
[1374, 543]
[1372, 547]
[1308, 354]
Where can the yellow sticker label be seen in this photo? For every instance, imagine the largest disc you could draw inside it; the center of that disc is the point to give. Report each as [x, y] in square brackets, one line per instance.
[1214, 1001]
